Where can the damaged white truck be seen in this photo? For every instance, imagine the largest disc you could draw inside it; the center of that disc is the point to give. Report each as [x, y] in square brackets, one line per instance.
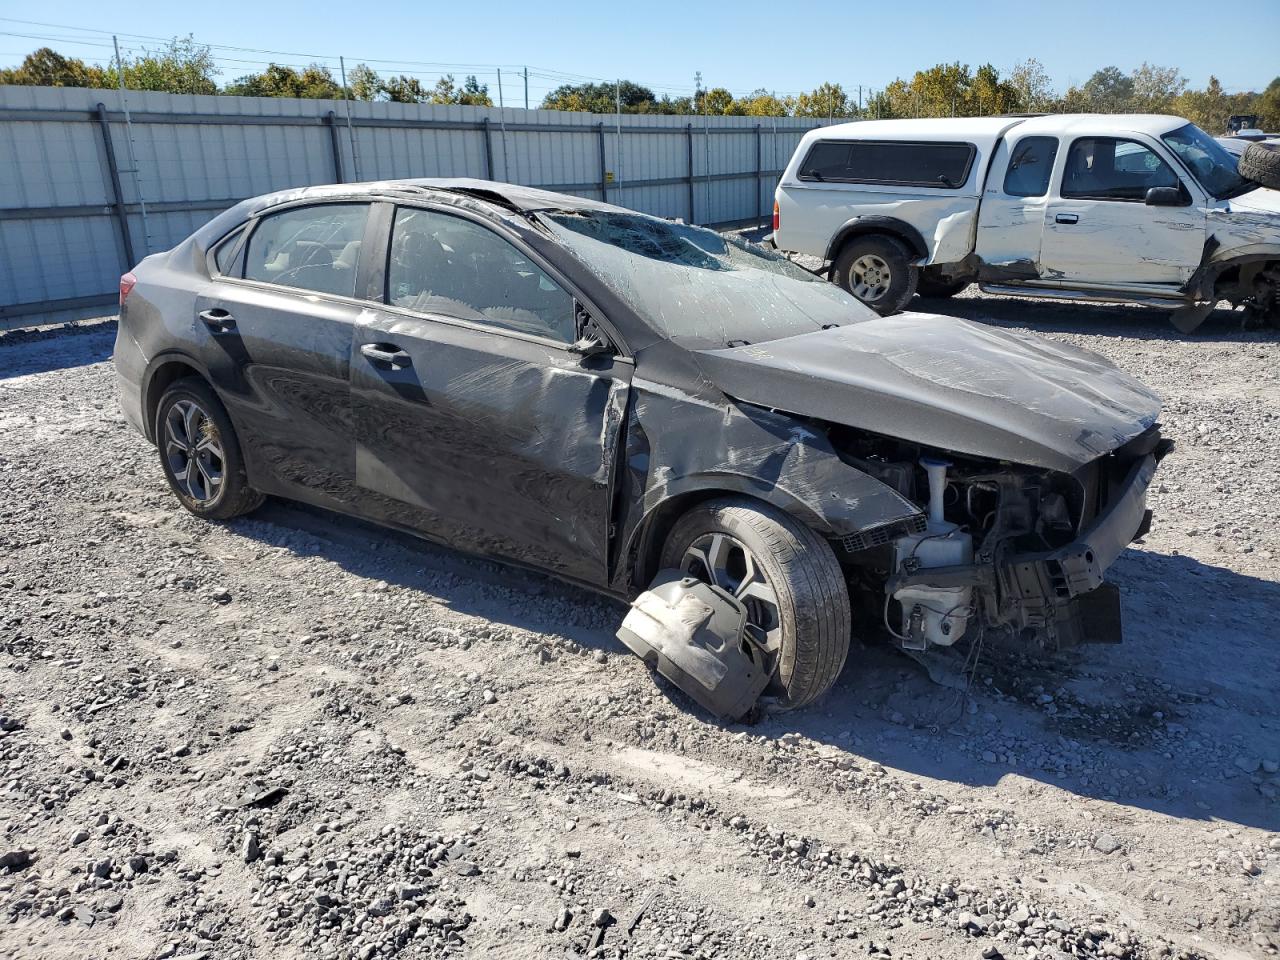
[1144, 209]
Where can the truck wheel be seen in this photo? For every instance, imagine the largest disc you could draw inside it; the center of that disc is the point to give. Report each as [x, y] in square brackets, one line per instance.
[936, 289]
[786, 575]
[1261, 164]
[200, 453]
[877, 269]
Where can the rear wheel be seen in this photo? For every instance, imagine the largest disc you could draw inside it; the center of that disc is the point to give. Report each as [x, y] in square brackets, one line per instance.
[200, 453]
[877, 269]
[787, 577]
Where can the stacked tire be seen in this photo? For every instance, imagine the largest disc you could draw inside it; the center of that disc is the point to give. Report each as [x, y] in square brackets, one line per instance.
[1261, 164]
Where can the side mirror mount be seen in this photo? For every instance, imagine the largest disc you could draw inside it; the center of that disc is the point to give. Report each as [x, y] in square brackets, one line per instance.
[1166, 197]
[591, 339]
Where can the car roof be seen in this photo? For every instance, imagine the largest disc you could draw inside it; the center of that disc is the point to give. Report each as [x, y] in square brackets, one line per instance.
[509, 195]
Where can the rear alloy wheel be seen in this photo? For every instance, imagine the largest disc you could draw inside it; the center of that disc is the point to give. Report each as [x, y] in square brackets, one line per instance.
[786, 576]
[200, 453]
[877, 269]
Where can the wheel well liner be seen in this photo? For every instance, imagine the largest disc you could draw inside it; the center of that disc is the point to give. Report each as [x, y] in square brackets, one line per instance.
[164, 371]
[657, 523]
[862, 226]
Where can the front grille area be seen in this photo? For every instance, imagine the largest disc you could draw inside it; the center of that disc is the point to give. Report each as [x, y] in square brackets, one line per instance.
[884, 534]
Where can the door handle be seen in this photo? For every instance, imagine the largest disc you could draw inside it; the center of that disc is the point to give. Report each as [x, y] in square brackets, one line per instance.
[386, 353]
[218, 320]
[1067, 218]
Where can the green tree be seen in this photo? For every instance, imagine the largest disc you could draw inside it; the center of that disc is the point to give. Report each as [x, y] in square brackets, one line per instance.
[404, 89]
[472, 93]
[827, 100]
[762, 103]
[987, 94]
[312, 83]
[1109, 90]
[601, 98]
[1267, 106]
[47, 68]
[1156, 88]
[1032, 85]
[718, 101]
[364, 83]
[181, 66]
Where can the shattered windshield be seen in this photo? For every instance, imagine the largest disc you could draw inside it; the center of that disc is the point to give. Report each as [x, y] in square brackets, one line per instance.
[1208, 161]
[698, 286]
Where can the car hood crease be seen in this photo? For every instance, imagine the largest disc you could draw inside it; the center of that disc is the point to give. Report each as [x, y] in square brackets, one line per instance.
[946, 383]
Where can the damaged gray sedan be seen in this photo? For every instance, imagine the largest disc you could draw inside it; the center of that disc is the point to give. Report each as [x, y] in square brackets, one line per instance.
[758, 462]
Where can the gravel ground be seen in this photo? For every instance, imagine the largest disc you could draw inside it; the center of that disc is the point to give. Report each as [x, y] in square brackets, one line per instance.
[296, 735]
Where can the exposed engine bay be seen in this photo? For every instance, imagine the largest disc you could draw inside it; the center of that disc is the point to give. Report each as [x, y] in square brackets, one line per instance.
[1014, 552]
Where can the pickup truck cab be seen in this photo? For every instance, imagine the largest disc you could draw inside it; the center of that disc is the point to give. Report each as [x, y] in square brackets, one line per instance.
[1140, 208]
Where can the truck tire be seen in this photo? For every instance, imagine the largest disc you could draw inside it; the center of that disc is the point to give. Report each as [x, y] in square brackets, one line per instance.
[809, 626]
[936, 289]
[1261, 164]
[877, 269]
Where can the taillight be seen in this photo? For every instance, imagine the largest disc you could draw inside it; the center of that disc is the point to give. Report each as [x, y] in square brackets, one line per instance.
[128, 280]
[776, 218]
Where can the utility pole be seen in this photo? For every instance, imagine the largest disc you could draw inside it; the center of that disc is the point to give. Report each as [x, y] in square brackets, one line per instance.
[617, 108]
[351, 135]
[133, 156]
[500, 104]
[526, 88]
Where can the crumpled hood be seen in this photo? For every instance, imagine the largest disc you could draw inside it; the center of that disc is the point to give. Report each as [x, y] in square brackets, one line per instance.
[1262, 200]
[946, 383]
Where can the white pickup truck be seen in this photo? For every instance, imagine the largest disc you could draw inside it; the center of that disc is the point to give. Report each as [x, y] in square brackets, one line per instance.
[1138, 208]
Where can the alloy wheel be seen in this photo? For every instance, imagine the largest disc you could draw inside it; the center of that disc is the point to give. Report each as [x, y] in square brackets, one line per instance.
[869, 277]
[193, 449]
[723, 561]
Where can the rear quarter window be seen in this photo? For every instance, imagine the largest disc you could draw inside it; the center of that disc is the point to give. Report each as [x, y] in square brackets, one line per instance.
[944, 166]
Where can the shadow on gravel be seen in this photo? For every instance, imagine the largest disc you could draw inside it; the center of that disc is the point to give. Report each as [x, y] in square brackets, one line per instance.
[25, 352]
[1098, 319]
[1157, 723]
[499, 592]
[1175, 720]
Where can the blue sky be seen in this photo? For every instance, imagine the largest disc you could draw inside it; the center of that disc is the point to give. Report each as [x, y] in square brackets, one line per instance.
[661, 44]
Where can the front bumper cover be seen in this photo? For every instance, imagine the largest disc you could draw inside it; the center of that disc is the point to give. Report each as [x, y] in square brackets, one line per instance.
[1056, 592]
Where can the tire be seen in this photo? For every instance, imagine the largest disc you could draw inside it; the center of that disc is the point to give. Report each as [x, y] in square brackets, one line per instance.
[939, 289]
[811, 637]
[1261, 164]
[190, 412]
[884, 260]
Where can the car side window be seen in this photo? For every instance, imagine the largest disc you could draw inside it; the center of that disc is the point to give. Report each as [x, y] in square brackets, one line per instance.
[943, 166]
[1109, 168]
[225, 256]
[312, 248]
[454, 267]
[1030, 164]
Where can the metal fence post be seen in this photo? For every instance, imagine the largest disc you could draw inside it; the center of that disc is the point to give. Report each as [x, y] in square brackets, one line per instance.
[117, 194]
[759, 178]
[330, 121]
[604, 172]
[688, 135]
[488, 150]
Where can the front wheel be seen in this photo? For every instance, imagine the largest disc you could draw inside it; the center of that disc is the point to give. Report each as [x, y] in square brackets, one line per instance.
[786, 576]
[877, 269]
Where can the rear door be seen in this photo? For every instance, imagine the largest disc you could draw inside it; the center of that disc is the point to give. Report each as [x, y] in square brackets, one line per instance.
[1100, 232]
[1011, 219]
[279, 317]
[474, 420]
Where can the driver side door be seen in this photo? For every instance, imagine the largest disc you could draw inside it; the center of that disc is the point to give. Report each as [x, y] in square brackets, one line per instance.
[476, 421]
